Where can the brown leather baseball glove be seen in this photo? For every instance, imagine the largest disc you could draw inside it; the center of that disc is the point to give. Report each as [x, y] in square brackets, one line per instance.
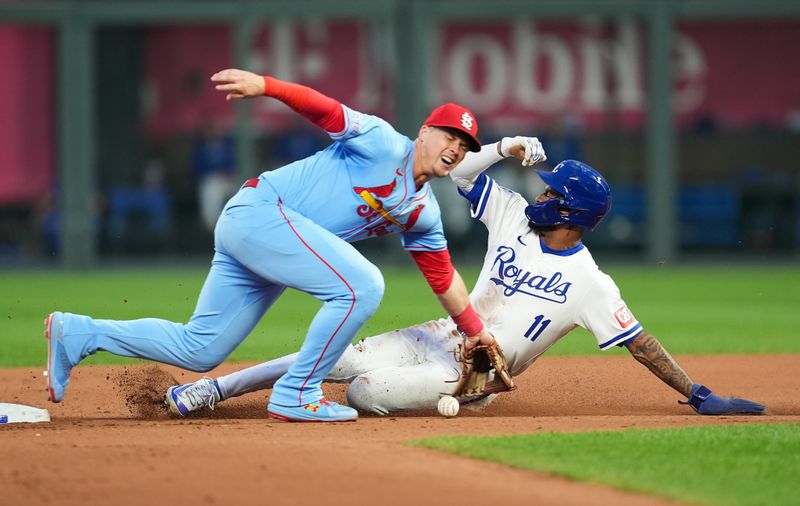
[484, 371]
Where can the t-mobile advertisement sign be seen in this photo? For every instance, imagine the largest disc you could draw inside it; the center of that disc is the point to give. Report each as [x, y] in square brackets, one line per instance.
[596, 71]
[508, 72]
[738, 73]
[344, 60]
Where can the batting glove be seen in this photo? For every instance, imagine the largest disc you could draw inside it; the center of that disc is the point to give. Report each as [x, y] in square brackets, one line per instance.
[534, 152]
[704, 402]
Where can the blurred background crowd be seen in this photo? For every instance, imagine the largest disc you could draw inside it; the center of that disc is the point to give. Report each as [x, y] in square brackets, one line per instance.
[165, 150]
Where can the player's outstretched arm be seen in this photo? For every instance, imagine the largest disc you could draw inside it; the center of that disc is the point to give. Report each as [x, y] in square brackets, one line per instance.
[323, 111]
[452, 293]
[647, 350]
[455, 300]
[526, 149]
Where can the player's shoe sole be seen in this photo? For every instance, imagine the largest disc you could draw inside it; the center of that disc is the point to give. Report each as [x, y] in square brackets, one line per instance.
[320, 411]
[58, 365]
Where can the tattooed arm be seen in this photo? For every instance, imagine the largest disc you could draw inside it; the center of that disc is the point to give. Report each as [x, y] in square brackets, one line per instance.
[647, 350]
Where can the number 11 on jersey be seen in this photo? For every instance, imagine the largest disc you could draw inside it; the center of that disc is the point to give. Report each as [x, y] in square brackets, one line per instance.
[537, 327]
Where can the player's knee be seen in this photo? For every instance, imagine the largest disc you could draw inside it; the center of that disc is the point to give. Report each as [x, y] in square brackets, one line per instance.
[204, 367]
[368, 291]
[200, 361]
[364, 394]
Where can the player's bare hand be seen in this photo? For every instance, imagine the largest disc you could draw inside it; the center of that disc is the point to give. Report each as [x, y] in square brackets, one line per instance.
[238, 83]
[484, 337]
[527, 149]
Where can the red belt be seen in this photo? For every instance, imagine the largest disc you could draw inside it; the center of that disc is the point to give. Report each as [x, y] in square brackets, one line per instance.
[251, 183]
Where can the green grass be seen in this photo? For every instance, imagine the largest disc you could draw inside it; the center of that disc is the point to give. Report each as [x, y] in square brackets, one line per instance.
[742, 465]
[723, 309]
[692, 310]
[26, 298]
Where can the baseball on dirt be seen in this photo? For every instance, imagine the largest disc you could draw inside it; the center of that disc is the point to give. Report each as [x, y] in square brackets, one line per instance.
[448, 406]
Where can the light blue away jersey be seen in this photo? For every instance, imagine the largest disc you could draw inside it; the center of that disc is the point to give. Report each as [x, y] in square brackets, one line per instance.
[369, 154]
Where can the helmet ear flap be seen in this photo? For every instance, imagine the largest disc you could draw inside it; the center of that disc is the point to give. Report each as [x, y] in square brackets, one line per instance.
[546, 213]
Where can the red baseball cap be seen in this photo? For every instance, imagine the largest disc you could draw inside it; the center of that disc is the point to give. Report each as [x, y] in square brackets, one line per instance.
[459, 118]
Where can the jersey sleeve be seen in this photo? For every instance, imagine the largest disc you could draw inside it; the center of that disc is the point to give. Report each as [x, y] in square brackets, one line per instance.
[368, 136]
[606, 315]
[494, 205]
[431, 240]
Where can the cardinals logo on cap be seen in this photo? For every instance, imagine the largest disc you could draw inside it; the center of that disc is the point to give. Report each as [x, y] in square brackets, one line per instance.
[466, 121]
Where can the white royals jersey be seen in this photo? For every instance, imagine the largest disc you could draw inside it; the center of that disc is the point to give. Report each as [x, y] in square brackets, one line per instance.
[530, 296]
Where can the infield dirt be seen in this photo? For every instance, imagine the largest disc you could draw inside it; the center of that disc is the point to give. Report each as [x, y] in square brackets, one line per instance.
[112, 443]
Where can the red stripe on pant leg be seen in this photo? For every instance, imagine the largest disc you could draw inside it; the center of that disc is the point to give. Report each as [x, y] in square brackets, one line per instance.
[300, 397]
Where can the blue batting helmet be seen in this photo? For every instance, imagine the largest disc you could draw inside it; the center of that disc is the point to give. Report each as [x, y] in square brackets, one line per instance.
[586, 197]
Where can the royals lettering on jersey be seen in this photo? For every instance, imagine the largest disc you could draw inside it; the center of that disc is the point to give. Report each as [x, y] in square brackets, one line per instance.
[515, 279]
[530, 295]
[368, 155]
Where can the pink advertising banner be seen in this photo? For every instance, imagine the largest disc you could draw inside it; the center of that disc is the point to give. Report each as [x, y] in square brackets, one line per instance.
[27, 149]
[339, 58]
[737, 73]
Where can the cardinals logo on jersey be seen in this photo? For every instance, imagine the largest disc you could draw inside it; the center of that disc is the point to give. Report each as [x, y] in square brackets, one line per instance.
[379, 192]
[374, 209]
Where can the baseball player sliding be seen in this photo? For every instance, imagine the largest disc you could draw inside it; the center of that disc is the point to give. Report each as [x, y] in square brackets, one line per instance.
[538, 282]
[291, 228]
